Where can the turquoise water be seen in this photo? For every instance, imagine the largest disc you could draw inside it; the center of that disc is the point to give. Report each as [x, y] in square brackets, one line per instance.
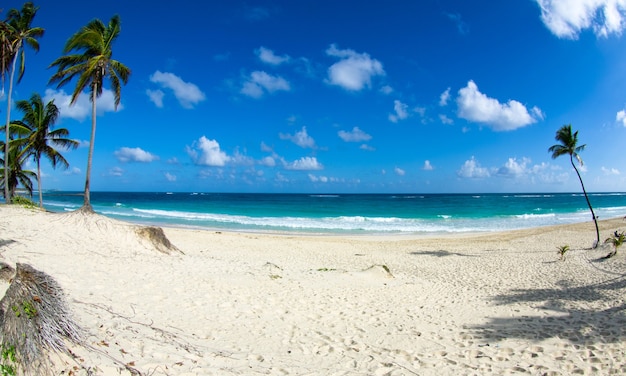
[346, 213]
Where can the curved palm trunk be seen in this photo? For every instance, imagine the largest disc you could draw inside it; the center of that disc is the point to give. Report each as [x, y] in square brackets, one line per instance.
[7, 193]
[39, 182]
[87, 200]
[595, 220]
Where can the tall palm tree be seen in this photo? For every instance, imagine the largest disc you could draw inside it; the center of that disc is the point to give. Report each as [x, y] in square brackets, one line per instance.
[91, 63]
[40, 139]
[18, 33]
[15, 174]
[569, 145]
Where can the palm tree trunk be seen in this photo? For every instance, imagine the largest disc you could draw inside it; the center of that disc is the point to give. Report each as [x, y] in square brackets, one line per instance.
[7, 193]
[39, 181]
[87, 199]
[595, 220]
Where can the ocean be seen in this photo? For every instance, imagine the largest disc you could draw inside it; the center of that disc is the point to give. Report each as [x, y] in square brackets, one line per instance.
[346, 213]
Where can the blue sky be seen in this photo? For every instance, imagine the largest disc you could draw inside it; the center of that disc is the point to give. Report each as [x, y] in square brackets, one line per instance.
[345, 96]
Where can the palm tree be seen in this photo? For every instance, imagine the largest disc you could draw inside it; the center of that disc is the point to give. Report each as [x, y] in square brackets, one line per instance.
[40, 138]
[91, 64]
[569, 145]
[18, 32]
[16, 174]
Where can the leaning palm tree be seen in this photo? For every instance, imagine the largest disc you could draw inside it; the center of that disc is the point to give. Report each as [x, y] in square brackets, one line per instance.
[40, 139]
[91, 64]
[15, 174]
[569, 145]
[18, 32]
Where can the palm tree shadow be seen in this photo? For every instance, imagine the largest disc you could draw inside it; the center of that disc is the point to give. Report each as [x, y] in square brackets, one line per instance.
[439, 253]
[572, 321]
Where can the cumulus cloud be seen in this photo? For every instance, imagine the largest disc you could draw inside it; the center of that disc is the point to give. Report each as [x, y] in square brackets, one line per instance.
[399, 171]
[355, 135]
[354, 71]
[471, 169]
[300, 138]
[259, 82]
[156, 97]
[568, 18]
[187, 94]
[126, 154]
[207, 152]
[621, 117]
[400, 111]
[386, 90]
[478, 107]
[514, 168]
[81, 109]
[267, 56]
[304, 163]
[170, 177]
[444, 97]
[72, 171]
[427, 166]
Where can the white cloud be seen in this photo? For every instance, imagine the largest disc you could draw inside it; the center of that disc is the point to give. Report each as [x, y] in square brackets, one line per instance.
[367, 147]
[354, 71]
[187, 94]
[81, 109]
[126, 154]
[355, 135]
[400, 111]
[568, 18]
[514, 168]
[268, 161]
[116, 171]
[267, 56]
[610, 171]
[73, 171]
[427, 166]
[445, 119]
[156, 97]
[170, 177]
[304, 163]
[320, 179]
[472, 169]
[260, 82]
[444, 97]
[477, 107]
[207, 152]
[386, 89]
[300, 138]
[621, 117]
[399, 171]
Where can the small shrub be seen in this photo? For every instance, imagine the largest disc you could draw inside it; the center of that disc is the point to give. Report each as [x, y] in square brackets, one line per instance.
[617, 239]
[7, 367]
[23, 201]
[562, 250]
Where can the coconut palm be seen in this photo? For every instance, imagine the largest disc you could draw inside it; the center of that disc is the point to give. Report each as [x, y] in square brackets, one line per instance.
[40, 139]
[17, 31]
[91, 63]
[569, 145]
[16, 174]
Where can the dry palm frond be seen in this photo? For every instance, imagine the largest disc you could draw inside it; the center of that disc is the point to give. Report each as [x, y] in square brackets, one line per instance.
[35, 321]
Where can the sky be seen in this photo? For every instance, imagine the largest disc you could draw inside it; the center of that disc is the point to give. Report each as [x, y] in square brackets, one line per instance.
[429, 96]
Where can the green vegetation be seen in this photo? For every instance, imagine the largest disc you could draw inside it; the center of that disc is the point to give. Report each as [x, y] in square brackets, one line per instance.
[7, 367]
[88, 58]
[23, 201]
[562, 250]
[617, 239]
[569, 145]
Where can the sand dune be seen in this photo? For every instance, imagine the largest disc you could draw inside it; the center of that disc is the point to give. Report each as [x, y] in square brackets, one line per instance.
[274, 304]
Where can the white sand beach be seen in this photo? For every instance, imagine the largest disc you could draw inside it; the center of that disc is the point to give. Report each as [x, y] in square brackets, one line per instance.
[274, 304]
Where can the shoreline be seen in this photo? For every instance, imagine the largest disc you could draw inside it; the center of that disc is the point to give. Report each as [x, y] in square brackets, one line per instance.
[234, 303]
